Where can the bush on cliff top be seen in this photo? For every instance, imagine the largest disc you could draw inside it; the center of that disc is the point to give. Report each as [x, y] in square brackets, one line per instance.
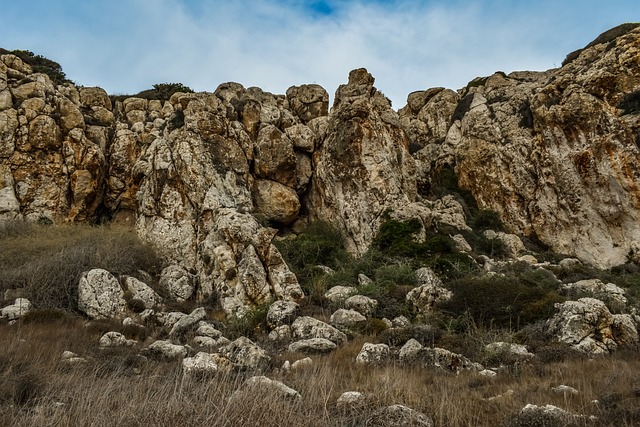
[40, 64]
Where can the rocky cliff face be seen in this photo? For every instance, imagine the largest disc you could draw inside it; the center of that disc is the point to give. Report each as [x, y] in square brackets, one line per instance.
[552, 152]
[200, 174]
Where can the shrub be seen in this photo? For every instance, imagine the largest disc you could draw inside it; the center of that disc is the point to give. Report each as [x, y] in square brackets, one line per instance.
[486, 219]
[252, 324]
[40, 64]
[47, 261]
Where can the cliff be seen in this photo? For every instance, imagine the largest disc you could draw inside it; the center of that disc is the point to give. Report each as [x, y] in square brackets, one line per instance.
[555, 153]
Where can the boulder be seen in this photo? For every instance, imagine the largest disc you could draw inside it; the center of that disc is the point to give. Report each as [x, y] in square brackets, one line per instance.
[588, 326]
[307, 327]
[312, 345]
[308, 101]
[362, 304]
[344, 319]
[517, 350]
[545, 415]
[100, 295]
[281, 312]
[165, 350]
[187, 322]
[261, 385]
[351, 399]
[373, 354]
[18, 309]
[178, 283]
[202, 364]
[115, 339]
[141, 291]
[595, 288]
[246, 355]
[280, 333]
[398, 416]
[339, 293]
[276, 202]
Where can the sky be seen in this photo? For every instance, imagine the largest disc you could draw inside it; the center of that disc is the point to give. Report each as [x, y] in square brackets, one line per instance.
[126, 46]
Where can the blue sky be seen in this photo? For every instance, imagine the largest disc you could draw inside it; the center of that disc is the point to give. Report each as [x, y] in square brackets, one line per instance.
[126, 46]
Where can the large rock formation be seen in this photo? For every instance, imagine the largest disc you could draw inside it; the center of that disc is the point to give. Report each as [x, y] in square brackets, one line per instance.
[202, 175]
[552, 152]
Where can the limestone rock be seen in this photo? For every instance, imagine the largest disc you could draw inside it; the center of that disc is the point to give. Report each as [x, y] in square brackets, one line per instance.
[274, 156]
[18, 309]
[245, 354]
[425, 297]
[100, 295]
[308, 101]
[307, 327]
[344, 319]
[266, 386]
[281, 312]
[363, 166]
[362, 304]
[280, 333]
[545, 415]
[115, 339]
[398, 416]
[165, 350]
[141, 291]
[350, 399]
[511, 348]
[589, 327]
[207, 330]
[202, 364]
[313, 345]
[512, 243]
[373, 354]
[276, 202]
[178, 283]
[303, 363]
[339, 293]
[607, 292]
[410, 351]
[187, 322]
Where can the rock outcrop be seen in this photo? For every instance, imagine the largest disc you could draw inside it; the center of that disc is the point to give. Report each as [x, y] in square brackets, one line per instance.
[552, 152]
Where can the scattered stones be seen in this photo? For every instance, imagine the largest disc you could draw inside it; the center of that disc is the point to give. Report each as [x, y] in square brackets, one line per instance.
[545, 415]
[595, 288]
[398, 416]
[115, 339]
[186, 322]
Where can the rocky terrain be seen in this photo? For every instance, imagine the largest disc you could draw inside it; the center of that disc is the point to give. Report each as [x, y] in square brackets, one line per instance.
[287, 231]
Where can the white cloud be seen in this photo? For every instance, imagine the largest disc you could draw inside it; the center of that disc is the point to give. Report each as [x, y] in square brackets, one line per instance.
[407, 45]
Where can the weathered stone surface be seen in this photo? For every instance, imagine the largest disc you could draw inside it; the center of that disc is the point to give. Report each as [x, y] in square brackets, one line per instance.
[363, 166]
[398, 416]
[115, 339]
[308, 101]
[511, 348]
[362, 304]
[607, 292]
[426, 296]
[276, 202]
[589, 327]
[281, 312]
[373, 354]
[18, 309]
[187, 322]
[165, 350]
[245, 354]
[200, 364]
[141, 291]
[350, 399]
[274, 156]
[552, 153]
[178, 283]
[307, 327]
[313, 345]
[340, 293]
[345, 319]
[100, 295]
[266, 386]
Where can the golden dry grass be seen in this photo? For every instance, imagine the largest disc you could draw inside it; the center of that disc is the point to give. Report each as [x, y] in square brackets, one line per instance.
[117, 388]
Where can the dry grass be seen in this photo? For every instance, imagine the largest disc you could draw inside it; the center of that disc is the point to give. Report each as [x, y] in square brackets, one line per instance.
[118, 388]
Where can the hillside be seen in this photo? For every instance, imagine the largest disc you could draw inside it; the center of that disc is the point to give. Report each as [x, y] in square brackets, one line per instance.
[492, 232]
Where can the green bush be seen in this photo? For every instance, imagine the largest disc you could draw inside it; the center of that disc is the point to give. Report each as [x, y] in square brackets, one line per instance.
[508, 300]
[251, 325]
[160, 91]
[486, 219]
[40, 64]
[47, 261]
